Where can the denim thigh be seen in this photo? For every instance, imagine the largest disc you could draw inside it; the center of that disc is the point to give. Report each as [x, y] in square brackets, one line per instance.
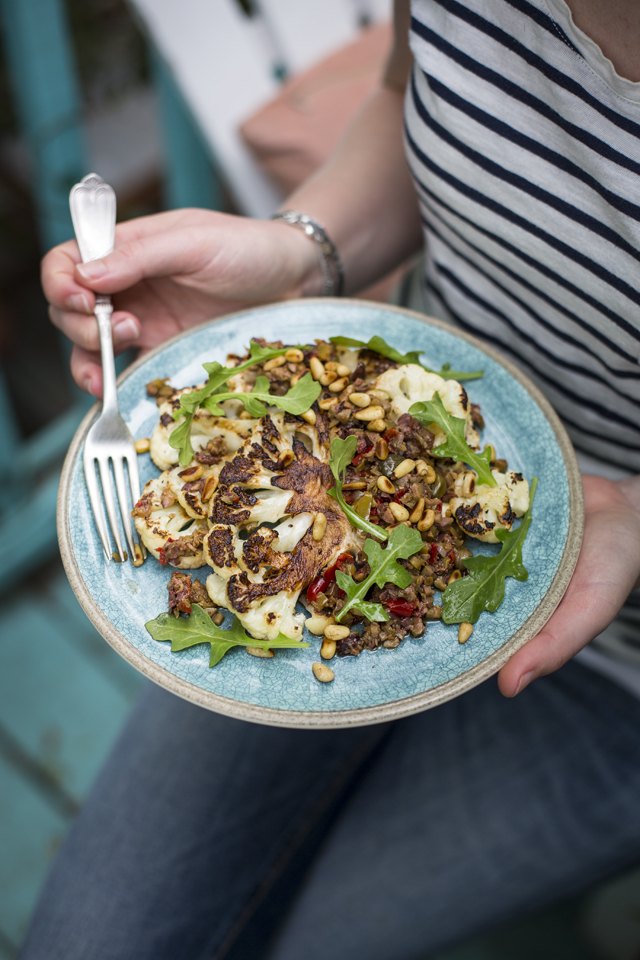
[472, 814]
[192, 816]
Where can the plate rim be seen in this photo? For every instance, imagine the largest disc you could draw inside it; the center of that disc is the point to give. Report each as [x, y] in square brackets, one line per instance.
[355, 716]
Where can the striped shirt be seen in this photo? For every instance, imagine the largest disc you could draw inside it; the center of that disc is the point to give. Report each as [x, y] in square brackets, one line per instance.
[524, 145]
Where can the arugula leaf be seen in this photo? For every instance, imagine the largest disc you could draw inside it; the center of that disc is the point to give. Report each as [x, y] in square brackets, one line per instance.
[180, 438]
[483, 589]
[455, 446]
[385, 350]
[403, 543]
[186, 632]
[342, 453]
[298, 399]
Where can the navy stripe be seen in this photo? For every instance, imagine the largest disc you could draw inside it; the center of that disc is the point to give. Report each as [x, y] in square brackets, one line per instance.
[543, 21]
[528, 227]
[532, 190]
[589, 431]
[531, 146]
[523, 96]
[554, 358]
[546, 271]
[556, 76]
[607, 413]
[505, 348]
[561, 334]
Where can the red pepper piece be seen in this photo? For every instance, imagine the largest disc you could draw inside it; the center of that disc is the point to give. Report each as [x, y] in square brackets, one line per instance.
[390, 434]
[433, 553]
[161, 554]
[321, 583]
[452, 556]
[359, 456]
[401, 608]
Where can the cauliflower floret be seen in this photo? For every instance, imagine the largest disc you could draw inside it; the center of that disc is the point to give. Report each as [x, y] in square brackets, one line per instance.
[259, 571]
[490, 507]
[411, 383]
[166, 529]
[205, 427]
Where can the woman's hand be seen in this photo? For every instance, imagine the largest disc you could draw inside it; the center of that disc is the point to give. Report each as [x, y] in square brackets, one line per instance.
[607, 570]
[169, 272]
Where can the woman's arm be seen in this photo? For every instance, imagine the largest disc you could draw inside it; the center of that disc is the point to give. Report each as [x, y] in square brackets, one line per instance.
[176, 269]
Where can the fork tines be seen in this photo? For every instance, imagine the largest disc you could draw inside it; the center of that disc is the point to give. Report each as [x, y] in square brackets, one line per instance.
[108, 464]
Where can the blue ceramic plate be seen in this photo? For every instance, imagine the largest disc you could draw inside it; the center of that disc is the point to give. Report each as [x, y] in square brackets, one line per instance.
[379, 685]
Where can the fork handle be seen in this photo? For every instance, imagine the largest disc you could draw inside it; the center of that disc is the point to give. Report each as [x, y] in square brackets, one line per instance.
[103, 311]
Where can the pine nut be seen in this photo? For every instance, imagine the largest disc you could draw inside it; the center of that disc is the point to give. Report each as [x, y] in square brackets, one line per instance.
[317, 368]
[259, 652]
[192, 473]
[331, 365]
[210, 486]
[430, 475]
[310, 417]
[360, 399]
[384, 484]
[285, 460]
[418, 510]
[421, 468]
[275, 362]
[370, 413]
[328, 378]
[427, 521]
[294, 355]
[319, 526]
[404, 468]
[455, 575]
[343, 370]
[354, 485]
[328, 649]
[315, 624]
[245, 415]
[379, 394]
[297, 376]
[377, 426]
[464, 632]
[328, 402]
[382, 449]
[322, 672]
[142, 445]
[490, 446]
[338, 385]
[336, 631]
[464, 484]
[399, 512]
[138, 556]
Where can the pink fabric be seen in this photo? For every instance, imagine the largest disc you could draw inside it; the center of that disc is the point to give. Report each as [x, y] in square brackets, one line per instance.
[295, 133]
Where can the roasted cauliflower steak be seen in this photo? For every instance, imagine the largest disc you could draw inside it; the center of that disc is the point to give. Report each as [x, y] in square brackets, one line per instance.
[165, 527]
[489, 508]
[261, 545]
[411, 383]
[205, 427]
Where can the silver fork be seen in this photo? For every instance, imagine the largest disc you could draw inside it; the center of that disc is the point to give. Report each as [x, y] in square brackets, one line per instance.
[93, 211]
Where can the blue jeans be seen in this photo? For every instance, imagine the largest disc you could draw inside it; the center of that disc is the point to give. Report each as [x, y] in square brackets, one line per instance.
[206, 837]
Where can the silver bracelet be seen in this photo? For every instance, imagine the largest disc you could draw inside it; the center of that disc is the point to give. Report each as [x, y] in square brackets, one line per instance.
[330, 263]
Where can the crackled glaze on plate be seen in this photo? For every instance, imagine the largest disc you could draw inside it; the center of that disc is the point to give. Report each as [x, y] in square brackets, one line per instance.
[378, 685]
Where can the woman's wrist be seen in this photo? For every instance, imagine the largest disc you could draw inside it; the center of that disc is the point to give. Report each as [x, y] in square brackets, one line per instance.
[302, 271]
